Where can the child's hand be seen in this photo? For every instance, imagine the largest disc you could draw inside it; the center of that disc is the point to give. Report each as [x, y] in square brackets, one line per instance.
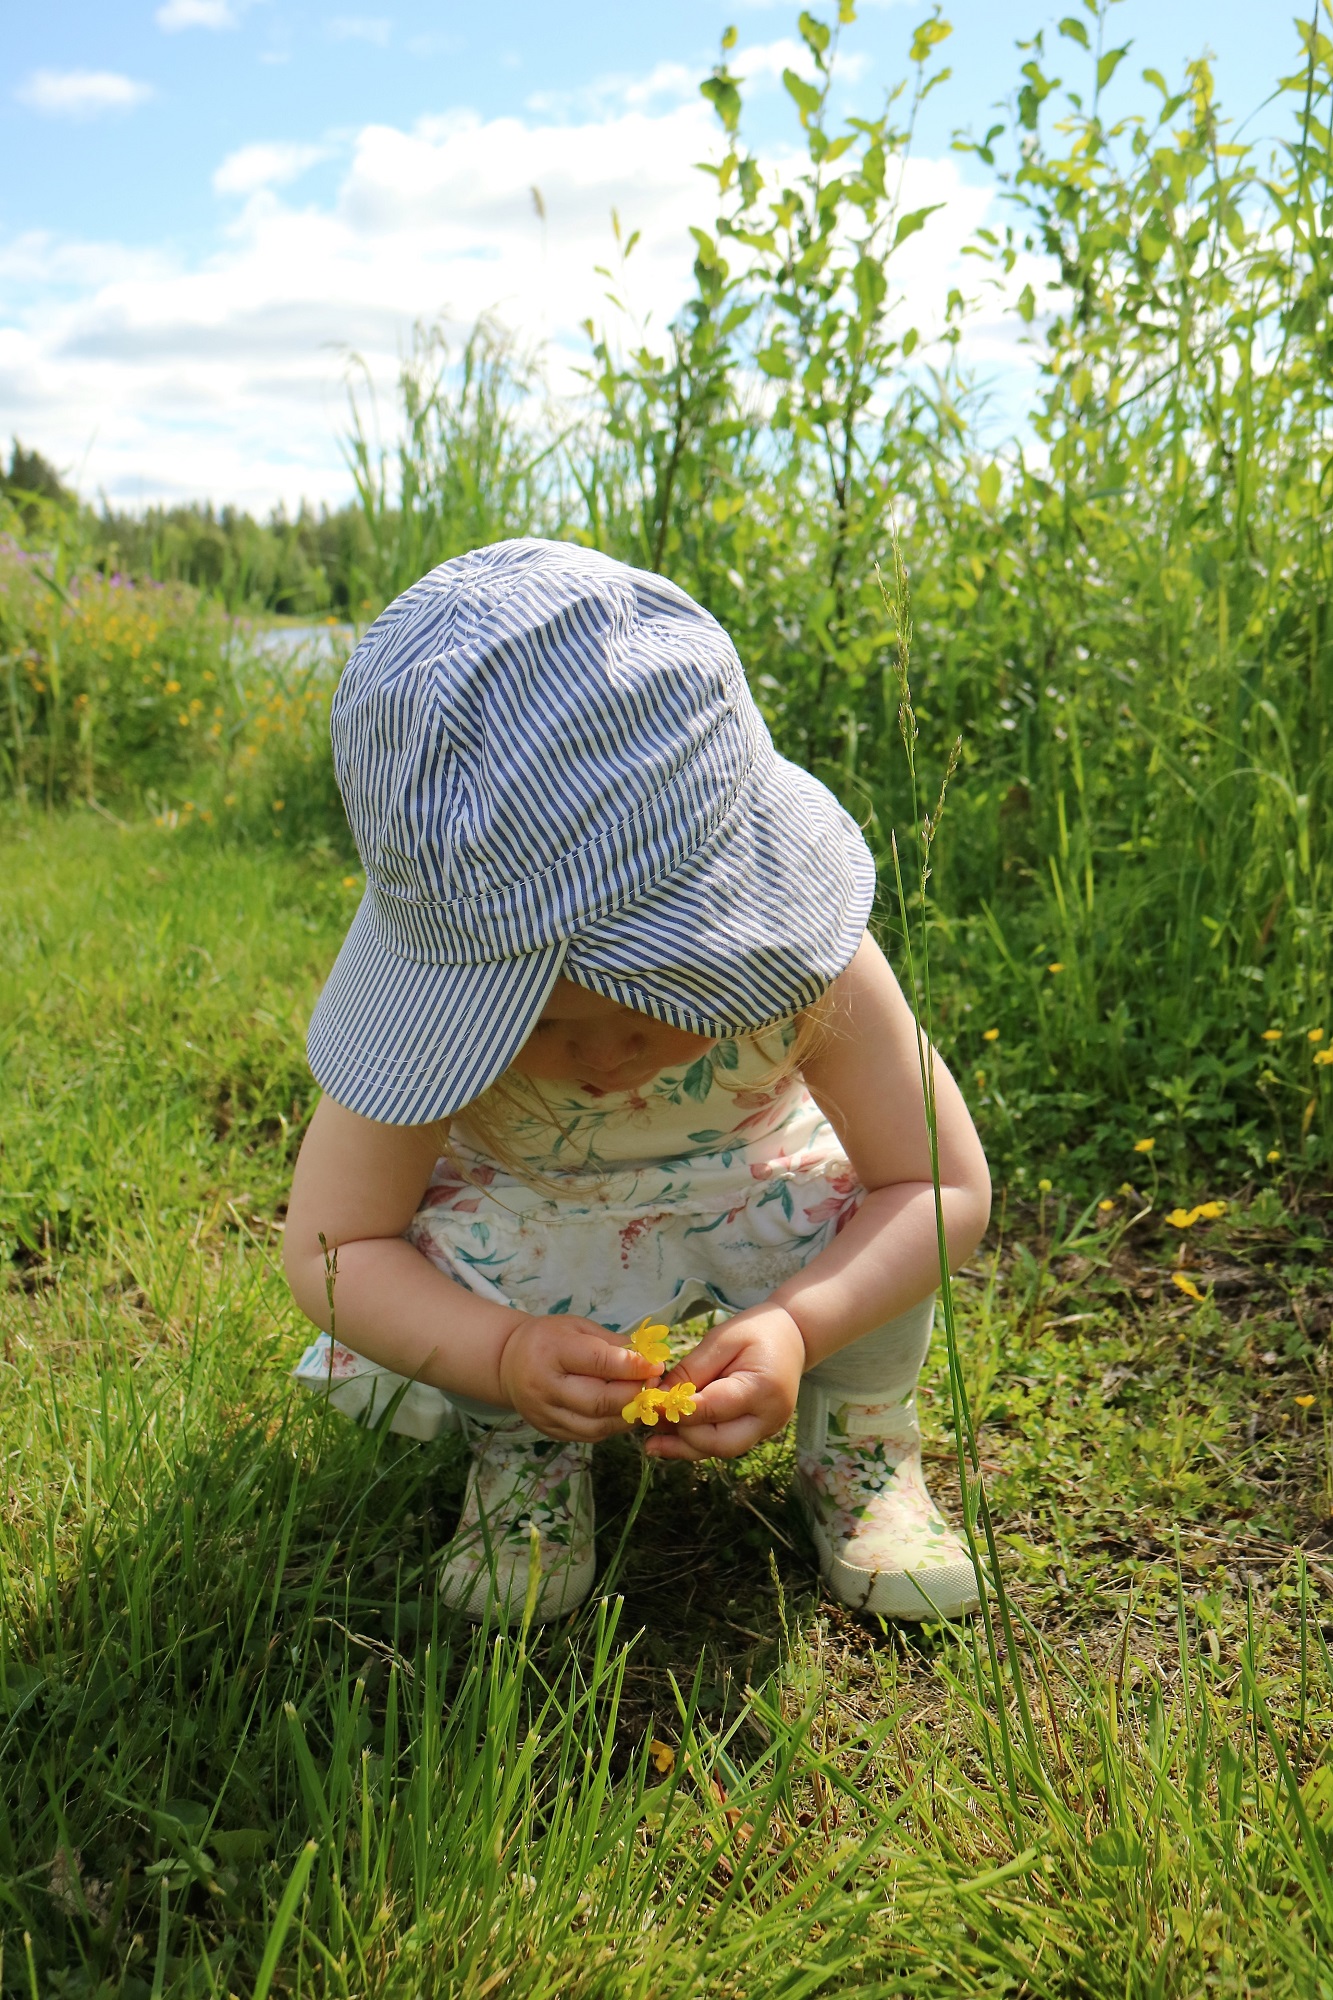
[566, 1378]
[747, 1372]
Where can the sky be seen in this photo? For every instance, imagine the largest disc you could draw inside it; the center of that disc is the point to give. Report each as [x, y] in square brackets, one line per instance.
[208, 207]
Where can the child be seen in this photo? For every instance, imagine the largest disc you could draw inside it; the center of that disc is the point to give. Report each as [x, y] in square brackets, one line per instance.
[607, 1041]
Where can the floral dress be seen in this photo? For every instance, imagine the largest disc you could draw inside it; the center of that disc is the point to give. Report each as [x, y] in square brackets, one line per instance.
[707, 1187]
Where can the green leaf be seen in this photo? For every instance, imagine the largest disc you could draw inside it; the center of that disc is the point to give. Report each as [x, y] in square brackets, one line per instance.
[1116, 1850]
[775, 361]
[729, 38]
[721, 92]
[804, 95]
[1027, 304]
[698, 1078]
[1074, 30]
[846, 12]
[1109, 64]
[988, 487]
[909, 224]
[816, 35]
[927, 37]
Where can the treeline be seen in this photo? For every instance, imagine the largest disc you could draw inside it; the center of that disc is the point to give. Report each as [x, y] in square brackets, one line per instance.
[313, 564]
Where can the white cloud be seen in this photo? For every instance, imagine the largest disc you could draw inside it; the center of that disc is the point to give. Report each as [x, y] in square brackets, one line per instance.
[178, 14]
[263, 165]
[360, 28]
[224, 376]
[81, 93]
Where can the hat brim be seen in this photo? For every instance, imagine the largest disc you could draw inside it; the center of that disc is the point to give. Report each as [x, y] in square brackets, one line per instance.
[756, 925]
[380, 1041]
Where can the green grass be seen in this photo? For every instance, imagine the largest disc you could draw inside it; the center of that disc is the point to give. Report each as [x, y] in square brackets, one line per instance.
[242, 1750]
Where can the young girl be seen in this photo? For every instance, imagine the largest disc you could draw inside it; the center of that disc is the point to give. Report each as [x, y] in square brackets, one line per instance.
[608, 1043]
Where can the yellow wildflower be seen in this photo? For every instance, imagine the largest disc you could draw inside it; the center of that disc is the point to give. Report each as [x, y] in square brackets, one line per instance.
[1144, 1145]
[1182, 1218]
[1187, 1286]
[1304, 1402]
[279, 804]
[1271, 1035]
[650, 1404]
[230, 799]
[1315, 1035]
[1057, 967]
[678, 1401]
[1208, 1211]
[172, 687]
[652, 1342]
[990, 1034]
[351, 881]
[1044, 1186]
[1323, 1057]
[1273, 1156]
[1104, 1206]
[663, 1756]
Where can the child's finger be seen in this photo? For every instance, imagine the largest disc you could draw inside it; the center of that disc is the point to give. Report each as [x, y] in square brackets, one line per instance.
[708, 1440]
[724, 1400]
[701, 1365]
[607, 1359]
[589, 1396]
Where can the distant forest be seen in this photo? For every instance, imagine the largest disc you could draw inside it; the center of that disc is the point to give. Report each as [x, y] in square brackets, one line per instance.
[308, 565]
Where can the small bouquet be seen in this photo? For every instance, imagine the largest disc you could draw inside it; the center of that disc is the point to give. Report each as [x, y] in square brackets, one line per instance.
[653, 1343]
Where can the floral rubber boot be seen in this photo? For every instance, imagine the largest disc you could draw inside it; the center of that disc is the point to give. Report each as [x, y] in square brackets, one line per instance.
[883, 1544]
[528, 1498]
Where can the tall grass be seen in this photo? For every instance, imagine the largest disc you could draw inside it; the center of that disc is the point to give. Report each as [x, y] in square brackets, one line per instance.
[1124, 611]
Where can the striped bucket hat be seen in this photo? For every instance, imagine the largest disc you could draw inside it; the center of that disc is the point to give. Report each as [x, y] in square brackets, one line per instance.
[552, 764]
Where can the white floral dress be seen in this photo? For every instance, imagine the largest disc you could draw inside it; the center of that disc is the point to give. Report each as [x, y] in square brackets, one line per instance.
[707, 1187]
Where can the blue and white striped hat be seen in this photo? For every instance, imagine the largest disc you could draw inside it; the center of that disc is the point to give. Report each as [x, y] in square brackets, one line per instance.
[552, 763]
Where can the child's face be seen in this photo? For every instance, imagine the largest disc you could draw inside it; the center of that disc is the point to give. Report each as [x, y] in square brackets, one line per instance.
[583, 1038]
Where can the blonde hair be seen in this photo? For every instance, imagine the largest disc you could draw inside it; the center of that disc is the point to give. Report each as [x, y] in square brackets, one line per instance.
[491, 1118]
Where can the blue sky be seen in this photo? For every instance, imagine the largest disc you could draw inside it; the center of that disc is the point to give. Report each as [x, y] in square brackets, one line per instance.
[205, 204]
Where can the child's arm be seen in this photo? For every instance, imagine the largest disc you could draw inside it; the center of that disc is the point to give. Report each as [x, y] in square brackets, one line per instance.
[866, 1079]
[358, 1184]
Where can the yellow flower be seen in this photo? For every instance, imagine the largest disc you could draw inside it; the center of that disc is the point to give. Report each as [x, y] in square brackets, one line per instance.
[644, 1408]
[1304, 1402]
[1057, 967]
[1273, 1156]
[1187, 1286]
[230, 799]
[980, 1076]
[1271, 1035]
[990, 1034]
[1105, 1205]
[1323, 1057]
[1182, 1218]
[663, 1756]
[651, 1341]
[1315, 1035]
[1044, 1186]
[1208, 1211]
[678, 1401]
[1144, 1145]
[351, 881]
[279, 804]
[172, 687]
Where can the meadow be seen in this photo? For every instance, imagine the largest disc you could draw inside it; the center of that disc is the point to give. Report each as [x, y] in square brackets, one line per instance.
[242, 1748]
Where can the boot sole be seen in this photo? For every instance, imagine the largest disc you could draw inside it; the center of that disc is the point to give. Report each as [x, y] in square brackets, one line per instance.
[945, 1590]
